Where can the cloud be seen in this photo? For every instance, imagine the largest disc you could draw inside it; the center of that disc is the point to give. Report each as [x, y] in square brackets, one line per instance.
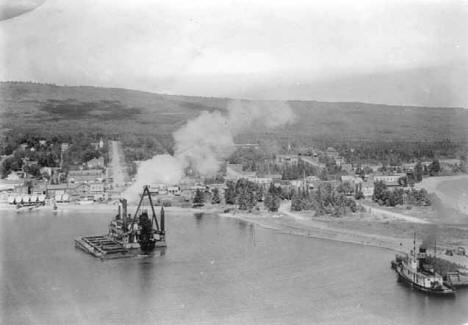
[225, 48]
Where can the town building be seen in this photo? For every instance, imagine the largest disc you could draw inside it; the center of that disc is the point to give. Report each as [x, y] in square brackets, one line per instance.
[287, 159]
[174, 190]
[332, 153]
[85, 176]
[352, 180]
[235, 172]
[54, 190]
[95, 163]
[347, 167]
[264, 181]
[408, 167]
[389, 180]
[367, 189]
[15, 176]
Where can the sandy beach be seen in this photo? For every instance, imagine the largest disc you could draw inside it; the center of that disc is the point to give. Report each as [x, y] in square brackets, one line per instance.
[388, 231]
[381, 228]
[451, 190]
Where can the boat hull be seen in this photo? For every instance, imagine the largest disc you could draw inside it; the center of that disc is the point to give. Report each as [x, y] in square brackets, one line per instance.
[446, 291]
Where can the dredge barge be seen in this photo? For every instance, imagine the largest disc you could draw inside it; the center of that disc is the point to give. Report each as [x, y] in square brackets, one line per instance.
[128, 235]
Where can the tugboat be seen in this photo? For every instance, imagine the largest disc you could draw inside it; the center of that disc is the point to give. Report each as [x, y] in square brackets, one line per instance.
[413, 270]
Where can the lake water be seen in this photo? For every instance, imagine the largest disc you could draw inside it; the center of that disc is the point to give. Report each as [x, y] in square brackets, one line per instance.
[214, 271]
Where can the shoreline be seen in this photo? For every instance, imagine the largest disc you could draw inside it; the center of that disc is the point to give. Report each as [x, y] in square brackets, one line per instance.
[317, 231]
[385, 235]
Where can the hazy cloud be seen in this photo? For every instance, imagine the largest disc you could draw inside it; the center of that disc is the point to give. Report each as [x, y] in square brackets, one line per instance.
[264, 49]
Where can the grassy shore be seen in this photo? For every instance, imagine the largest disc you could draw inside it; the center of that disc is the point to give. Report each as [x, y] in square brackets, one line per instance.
[388, 231]
[360, 228]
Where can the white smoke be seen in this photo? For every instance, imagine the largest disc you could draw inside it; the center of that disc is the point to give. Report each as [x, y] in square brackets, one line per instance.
[206, 141]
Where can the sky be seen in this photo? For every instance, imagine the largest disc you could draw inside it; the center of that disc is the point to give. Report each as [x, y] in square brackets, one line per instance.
[408, 52]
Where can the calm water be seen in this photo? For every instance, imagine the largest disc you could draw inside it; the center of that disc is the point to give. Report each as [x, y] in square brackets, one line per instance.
[214, 271]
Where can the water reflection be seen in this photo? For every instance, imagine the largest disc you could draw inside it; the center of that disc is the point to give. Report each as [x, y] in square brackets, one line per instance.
[198, 218]
[210, 273]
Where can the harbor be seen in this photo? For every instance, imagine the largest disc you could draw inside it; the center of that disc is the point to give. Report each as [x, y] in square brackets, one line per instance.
[215, 269]
[233, 162]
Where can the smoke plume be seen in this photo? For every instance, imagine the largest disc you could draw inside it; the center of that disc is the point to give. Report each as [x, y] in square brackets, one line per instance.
[204, 142]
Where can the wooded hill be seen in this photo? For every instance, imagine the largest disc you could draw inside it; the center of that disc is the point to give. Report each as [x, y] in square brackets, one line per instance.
[43, 108]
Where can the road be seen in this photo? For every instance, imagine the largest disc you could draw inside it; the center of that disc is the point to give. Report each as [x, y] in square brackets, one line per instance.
[118, 168]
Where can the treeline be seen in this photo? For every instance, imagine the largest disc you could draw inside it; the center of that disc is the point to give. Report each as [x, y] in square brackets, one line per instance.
[396, 152]
[247, 195]
[244, 193]
[262, 162]
[384, 196]
[324, 200]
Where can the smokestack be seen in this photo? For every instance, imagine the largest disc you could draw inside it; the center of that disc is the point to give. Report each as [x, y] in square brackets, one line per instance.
[163, 223]
[124, 213]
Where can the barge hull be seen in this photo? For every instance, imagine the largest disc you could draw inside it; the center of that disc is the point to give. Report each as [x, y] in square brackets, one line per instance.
[102, 247]
[447, 292]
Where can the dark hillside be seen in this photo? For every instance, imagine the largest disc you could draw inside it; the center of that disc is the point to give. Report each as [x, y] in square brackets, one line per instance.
[49, 108]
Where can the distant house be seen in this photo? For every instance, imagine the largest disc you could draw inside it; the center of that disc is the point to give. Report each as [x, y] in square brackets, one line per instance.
[98, 145]
[312, 181]
[287, 159]
[426, 163]
[272, 176]
[235, 172]
[49, 171]
[59, 189]
[85, 176]
[23, 146]
[450, 162]
[43, 142]
[373, 167]
[95, 163]
[367, 190]
[247, 145]
[332, 153]
[389, 180]
[82, 190]
[15, 176]
[339, 161]
[64, 146]
[408, 167]
[174, 190]
[298, 183]
[347, 167]
[96, 188]
[353, 180]
[261, 180]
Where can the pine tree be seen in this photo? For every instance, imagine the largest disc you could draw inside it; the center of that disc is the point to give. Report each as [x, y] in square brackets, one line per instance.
[230, 193]
[198, 199]
[215, 199]
[272, 199]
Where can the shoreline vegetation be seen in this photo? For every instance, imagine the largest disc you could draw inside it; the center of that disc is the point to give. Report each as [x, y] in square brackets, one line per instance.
[386, 228]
